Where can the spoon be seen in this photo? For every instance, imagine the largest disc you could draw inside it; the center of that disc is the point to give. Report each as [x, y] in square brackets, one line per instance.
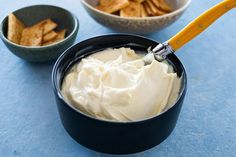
[193, 29]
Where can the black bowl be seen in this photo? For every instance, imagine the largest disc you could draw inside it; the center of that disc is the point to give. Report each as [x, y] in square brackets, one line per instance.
[108, 136]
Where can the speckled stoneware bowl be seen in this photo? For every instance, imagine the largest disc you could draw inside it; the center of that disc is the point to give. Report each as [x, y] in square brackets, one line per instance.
[33, 14]
[136, 25]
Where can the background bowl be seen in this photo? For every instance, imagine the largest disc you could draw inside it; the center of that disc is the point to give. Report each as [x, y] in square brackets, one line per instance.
[136, 25]
[106, 136]
[33, 14]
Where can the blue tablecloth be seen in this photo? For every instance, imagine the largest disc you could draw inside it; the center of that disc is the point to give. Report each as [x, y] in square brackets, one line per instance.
[30, 124]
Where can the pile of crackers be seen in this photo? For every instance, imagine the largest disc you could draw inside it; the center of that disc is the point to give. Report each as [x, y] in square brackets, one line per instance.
[41, 34]
[135, 8]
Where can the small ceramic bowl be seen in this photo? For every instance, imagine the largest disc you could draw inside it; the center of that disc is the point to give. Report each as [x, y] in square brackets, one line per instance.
[109, 136]
[136, 24]
[33, 14]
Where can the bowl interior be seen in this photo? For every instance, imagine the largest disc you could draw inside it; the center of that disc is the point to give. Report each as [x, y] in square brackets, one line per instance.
[93, 45]
[175, 4]
[33, 14]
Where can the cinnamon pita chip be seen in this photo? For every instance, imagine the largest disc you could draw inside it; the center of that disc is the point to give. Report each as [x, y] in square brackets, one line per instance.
[154, 9]
[139, 1]
[49, 36]
[48, 25]
[32, 36]
[135, 8]
[103, 2]
[132, 10]
[15, 28]
[60, 36]
[147, 9]
[162, 4]
[111, 6]
[143, 11]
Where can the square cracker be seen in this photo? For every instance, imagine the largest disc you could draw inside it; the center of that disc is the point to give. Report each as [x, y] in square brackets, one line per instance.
[103, 2]
[147, 9]
[32, 36]
[48, 25]
[163, 5]
[139, 1]
[15, 28]
[155, 11]
[143, 11]
[132, 10]
[49, 36]
[60, 36]
[111, 6]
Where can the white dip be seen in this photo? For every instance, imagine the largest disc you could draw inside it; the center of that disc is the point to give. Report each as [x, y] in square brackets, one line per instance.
[116, 85]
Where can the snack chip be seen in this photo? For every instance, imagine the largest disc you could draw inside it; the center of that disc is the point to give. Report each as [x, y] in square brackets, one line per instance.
[111, 6]
[147, 8]
[135, 8]
[48, 25]
[139, 1]
[161, 4]
[15, 28]
[60, 36]
[143, 11]
[104, 2]
[42, 33]
[32, 36]
[154, 9]
[49, 36]
[132, 10]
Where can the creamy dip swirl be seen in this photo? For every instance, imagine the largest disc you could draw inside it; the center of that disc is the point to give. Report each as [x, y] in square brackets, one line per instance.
[116, 85]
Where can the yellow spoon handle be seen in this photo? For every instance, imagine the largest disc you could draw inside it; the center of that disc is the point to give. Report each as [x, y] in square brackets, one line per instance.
[200, 24]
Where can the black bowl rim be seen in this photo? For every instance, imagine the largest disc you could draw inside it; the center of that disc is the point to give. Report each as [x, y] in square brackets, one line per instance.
[57, 91]
[76, 27]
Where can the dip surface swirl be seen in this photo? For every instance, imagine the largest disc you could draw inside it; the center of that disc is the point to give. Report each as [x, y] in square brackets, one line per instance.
[115, 85]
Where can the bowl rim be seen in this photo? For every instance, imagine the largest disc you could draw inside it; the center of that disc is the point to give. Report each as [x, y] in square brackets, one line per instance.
[177, 11]
[76, 26]
[57, 90]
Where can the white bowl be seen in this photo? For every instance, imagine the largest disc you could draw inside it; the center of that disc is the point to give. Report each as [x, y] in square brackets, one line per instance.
[136, 24]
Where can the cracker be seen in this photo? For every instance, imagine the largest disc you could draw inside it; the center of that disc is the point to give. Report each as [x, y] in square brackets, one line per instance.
[111, 6]
[154, 9]
[103, 2]
[32, 36]
[143, 11]
[132, 10]
[60, 36]
[162, 4]
[160, 12]
[15, 28]
[48, 25]
[139, 1]
[49, 36]
[147, 9]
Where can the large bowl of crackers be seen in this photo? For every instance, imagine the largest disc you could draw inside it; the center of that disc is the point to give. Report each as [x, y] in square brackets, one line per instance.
[39, 33]
[136, 16]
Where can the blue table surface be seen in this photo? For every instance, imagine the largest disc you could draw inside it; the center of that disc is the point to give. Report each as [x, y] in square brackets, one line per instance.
[30, 124]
